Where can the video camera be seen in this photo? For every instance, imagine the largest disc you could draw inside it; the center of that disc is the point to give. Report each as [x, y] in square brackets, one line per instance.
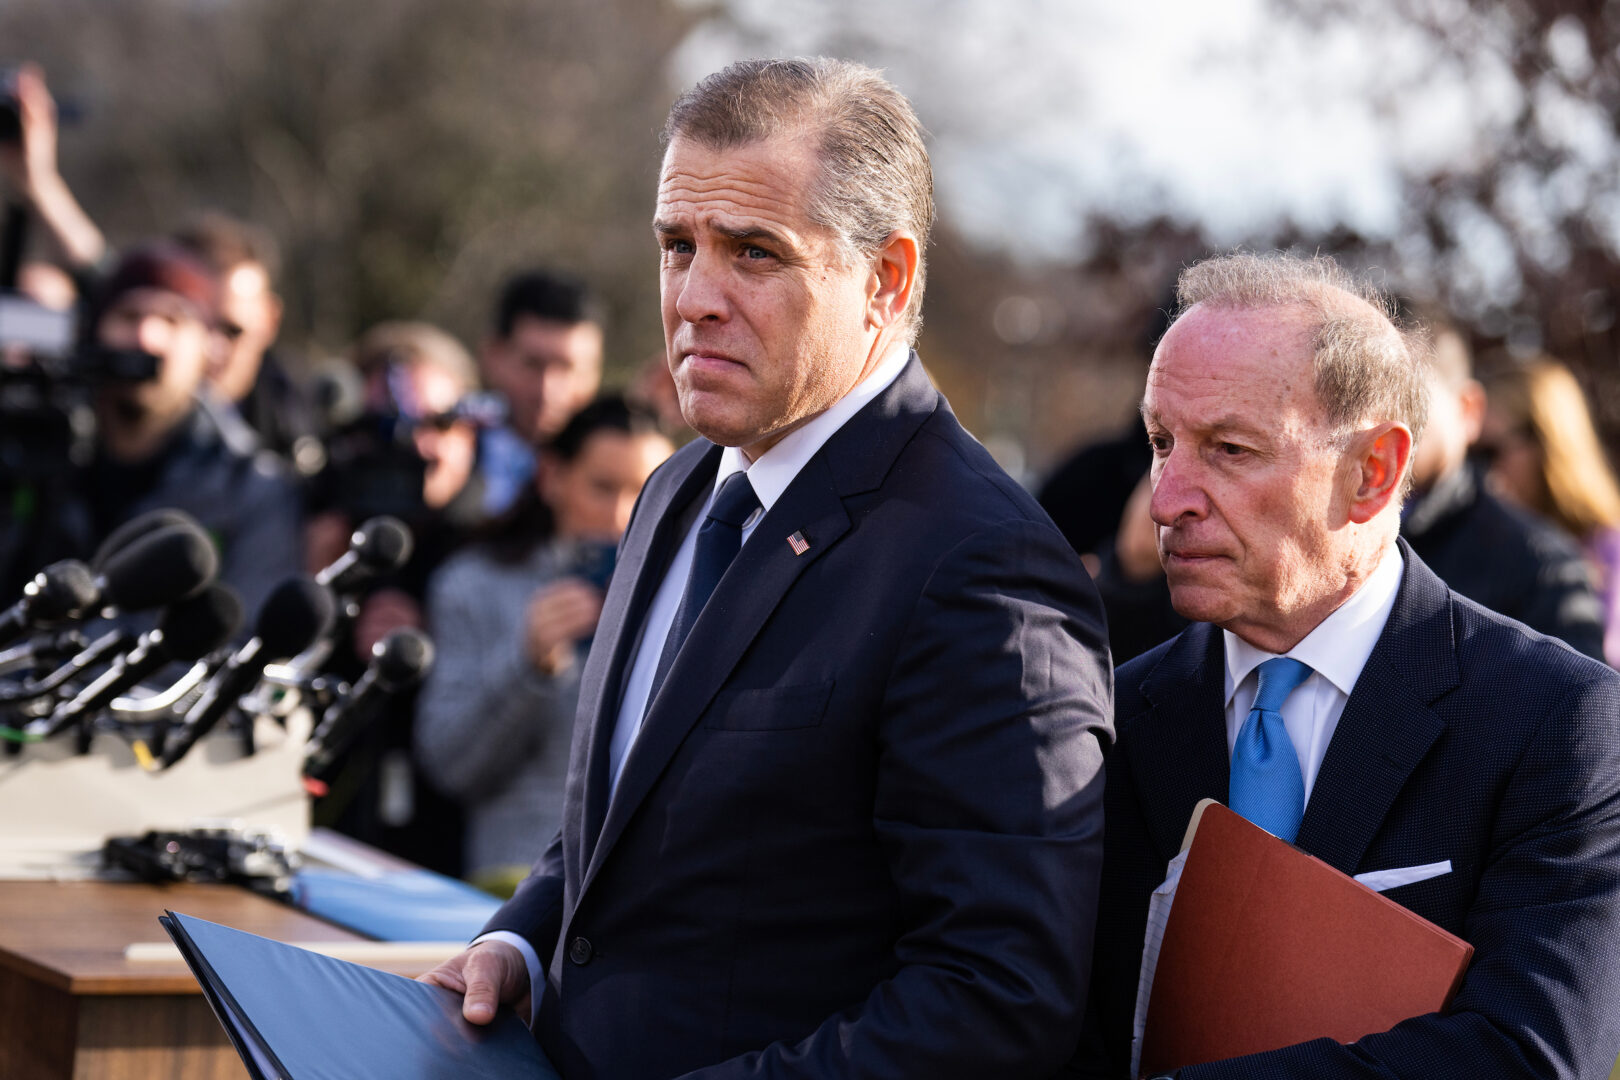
[373, 467]
[49, 370]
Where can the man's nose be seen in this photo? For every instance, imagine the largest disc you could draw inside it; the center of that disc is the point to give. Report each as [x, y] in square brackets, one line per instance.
[702, 295]
[1177, 490]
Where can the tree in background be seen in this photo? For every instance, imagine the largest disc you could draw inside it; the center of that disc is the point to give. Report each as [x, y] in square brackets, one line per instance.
[406, 153]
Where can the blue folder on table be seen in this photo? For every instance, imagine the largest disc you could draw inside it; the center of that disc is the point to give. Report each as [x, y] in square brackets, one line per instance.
[400, 905]
[297, 1015]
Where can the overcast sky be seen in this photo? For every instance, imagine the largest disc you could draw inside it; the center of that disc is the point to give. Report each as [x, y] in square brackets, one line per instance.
[1043, 110]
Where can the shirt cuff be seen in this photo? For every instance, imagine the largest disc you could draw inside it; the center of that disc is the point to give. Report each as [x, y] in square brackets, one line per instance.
[531, 960]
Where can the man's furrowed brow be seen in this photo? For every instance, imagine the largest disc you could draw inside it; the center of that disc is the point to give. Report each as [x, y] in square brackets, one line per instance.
[745, 233]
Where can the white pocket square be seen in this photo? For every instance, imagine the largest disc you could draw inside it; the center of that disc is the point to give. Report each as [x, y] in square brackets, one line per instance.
[1380, 880]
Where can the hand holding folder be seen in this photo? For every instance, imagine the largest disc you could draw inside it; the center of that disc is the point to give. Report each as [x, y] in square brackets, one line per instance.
[1266, 947]
[297, 1015]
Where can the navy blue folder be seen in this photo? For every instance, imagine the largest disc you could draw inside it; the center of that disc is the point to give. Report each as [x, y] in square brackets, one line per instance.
[297, 1015]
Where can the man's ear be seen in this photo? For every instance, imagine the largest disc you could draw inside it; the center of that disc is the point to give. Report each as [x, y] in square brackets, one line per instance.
[894, 272]
[1381, 456]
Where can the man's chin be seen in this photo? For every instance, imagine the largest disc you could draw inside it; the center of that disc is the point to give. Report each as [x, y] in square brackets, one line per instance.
[1201, 602]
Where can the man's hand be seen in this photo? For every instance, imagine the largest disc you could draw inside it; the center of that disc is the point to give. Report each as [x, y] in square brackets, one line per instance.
[559, 616]
[29, 165]
[29, 170]
[489, 975]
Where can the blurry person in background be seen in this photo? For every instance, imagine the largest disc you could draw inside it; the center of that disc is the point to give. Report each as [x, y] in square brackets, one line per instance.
[513, 616]
[1543, 454]
[29, 174]
[409, 454]
[653, 388]
[162, 441]
[250, 375]
[544, 356]
[1497, 555]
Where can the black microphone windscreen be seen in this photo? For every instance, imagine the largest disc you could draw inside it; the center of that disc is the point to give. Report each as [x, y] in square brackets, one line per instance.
[132, 530]
[402, 657]
[160, 568]
[295, 613]
[199, 624]
[63, 590]
[383, 544]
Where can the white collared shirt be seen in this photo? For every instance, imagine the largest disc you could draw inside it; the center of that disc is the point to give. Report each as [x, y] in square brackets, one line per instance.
[769, 477]
[1336, 651]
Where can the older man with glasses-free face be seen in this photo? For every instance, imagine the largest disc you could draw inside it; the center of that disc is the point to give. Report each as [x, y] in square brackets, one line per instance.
[1407, 729]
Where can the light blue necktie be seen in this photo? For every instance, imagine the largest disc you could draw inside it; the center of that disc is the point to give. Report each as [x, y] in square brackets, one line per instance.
[1268, 787]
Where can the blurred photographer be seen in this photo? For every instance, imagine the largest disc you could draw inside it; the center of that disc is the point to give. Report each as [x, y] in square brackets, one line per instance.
[251, 374]
[409, 453]
[159, 441]
[513, 616]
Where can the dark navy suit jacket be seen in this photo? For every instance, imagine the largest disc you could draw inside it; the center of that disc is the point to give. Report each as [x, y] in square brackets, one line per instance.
[1467, 737]
[860, 831]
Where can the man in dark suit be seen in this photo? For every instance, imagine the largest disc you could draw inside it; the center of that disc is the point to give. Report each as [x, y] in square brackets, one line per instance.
[1333, 690]
[834, 803]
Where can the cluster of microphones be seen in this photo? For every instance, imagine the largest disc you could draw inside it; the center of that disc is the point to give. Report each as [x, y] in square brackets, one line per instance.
[70, 667]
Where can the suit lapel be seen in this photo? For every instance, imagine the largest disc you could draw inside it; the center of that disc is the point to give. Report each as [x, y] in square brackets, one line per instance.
[854, 460]
[1178, 747]
[1387, 726]
[645, 556]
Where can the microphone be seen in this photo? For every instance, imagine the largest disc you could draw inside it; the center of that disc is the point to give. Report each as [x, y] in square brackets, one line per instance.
[188, 631]
[296, 613]
[62, 592]
[380, 545]
[162, 567]
[92, 655]
[135, 528]
[398, 661]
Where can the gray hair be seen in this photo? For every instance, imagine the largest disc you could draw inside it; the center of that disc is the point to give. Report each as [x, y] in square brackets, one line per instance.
[1367, 368]
[875, 176]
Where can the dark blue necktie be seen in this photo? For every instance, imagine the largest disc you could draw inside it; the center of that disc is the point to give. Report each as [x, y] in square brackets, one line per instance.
[1267, 785]
[719, 539]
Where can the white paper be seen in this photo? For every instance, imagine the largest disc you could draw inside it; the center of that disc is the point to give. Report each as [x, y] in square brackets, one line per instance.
[1381, 880]
[1158, 916]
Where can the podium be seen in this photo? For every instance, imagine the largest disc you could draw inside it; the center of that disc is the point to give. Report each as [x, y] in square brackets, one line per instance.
[73, 1008]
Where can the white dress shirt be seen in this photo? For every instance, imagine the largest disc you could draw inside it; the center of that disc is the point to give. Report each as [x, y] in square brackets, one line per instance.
[770, 477]
[1336, 651]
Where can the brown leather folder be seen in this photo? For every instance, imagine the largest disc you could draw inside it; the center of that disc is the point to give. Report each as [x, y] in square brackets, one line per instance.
[1266, 947]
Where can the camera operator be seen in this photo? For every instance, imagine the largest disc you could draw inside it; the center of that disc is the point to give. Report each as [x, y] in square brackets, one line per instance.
[409, 454]
[513, 616]
[251, 375]
[160, 441]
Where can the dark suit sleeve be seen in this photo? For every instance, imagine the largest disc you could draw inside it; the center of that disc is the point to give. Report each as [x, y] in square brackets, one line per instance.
[989, 810]
[1542, 995]
[535, 910]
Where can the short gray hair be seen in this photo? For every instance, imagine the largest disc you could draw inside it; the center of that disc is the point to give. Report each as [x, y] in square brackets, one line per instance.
[1367, 367]
[875, 174]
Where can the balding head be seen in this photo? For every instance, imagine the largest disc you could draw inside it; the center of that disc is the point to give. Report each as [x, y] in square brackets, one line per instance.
[1279, 406]
[1367, 370]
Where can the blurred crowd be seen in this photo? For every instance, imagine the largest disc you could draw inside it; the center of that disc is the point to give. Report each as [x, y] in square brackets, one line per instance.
[517, 475]
[162, 384]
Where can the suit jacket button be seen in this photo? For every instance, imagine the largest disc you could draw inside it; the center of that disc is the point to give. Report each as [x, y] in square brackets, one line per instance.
[579, 951]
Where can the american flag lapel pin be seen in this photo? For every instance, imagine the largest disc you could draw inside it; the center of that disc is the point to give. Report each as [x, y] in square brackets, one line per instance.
[798, 543]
